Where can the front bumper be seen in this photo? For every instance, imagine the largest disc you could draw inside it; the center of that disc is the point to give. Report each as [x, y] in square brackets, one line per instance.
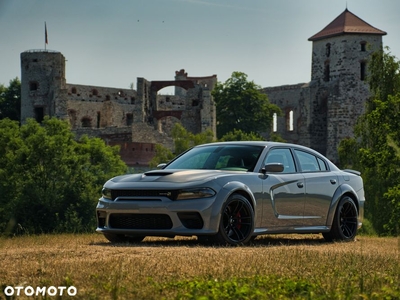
[158, 217]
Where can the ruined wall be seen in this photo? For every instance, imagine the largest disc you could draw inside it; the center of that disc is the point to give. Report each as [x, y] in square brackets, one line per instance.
[290, 98]
[99, 107]
[136, 120]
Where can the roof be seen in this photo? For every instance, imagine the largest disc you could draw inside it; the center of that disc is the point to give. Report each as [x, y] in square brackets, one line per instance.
[345, 23]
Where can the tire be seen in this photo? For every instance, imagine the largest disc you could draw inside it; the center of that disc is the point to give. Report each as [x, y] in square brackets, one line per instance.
[121, 238]
[345, 223]
[237, 222]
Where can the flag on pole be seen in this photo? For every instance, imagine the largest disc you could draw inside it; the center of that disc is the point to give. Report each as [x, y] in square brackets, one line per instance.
[45, 34]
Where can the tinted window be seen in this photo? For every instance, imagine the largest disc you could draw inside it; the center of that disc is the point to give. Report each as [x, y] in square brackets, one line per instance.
[226, 157]
[282, 156]
[309, 162]
[322, 165]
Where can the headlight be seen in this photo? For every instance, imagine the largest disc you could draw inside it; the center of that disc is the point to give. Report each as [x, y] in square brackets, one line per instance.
[195, 193]
[106, 193]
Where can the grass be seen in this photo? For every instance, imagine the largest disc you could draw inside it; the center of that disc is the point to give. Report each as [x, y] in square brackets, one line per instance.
[281, 266]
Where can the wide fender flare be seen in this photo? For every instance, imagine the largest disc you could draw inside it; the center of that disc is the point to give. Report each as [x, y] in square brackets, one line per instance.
[340, 191]
[224, 193]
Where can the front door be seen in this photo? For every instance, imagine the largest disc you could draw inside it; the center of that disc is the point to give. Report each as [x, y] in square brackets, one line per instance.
[284, 192]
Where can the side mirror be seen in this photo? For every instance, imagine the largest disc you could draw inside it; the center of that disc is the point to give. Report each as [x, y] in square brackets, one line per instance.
[273, 168]
[161, 166]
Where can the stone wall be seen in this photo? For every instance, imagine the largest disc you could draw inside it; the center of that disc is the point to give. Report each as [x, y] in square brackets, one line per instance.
[136, 120]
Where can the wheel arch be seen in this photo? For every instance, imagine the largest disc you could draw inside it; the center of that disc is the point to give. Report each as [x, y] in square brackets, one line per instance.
[229, 189]
[341, 191]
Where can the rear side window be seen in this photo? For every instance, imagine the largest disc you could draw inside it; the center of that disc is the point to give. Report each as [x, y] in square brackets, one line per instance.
[309, 162]
[322, 165]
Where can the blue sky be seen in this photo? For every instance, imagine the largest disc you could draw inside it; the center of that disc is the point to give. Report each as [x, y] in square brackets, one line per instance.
[111, 43]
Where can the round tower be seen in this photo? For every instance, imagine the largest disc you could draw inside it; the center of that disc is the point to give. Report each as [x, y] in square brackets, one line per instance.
[43, 85]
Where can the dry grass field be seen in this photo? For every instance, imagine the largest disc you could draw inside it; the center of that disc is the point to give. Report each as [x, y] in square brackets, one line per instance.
[276, 266]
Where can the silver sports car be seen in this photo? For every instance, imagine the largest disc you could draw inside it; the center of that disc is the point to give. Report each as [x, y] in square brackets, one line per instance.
[231, 192]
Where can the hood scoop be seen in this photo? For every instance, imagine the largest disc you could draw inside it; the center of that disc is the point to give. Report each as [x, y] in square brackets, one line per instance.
[157, 173]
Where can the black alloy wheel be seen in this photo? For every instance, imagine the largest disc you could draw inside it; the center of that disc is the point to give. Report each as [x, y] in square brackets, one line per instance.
[345, 223]
[237, 221]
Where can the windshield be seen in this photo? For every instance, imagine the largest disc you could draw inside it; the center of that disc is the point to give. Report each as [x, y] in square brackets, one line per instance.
[217, 157]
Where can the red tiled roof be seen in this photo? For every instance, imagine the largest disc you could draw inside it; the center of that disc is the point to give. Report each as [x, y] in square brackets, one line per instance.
[346, 22]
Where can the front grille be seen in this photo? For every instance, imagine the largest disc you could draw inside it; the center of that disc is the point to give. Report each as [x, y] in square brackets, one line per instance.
[171, 194]
[140, 221]
[191, 220]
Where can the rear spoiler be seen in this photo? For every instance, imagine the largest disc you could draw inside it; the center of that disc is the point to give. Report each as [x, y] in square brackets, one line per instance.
[352, 171]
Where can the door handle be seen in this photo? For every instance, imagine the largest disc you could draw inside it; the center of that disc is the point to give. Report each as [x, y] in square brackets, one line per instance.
[300, 184]
[333, 181]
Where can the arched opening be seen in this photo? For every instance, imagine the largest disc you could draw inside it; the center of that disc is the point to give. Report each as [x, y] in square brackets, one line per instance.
[290, 121]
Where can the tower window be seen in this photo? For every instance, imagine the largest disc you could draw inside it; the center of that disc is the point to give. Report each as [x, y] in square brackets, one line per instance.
[95, 92]
[363, 68]
[363, 46]
[328, 49]
[33, 86]
[73, 90]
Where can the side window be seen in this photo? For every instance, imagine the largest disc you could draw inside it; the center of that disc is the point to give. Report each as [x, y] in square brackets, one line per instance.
[309, 162]
[282, 156]
[322, 165]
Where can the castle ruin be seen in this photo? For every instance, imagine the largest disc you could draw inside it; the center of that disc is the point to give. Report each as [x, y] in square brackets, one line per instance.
[136, 120]
[317, 114]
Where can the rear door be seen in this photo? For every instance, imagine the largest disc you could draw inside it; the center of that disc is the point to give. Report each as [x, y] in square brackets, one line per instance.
[320, 186]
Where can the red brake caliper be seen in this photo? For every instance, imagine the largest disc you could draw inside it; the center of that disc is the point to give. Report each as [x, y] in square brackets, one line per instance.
[239, 220]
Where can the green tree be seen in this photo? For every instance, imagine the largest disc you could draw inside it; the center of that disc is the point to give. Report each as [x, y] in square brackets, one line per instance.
[10, 100]
[372, 149]
[241, 105]
[49, 181]
[183, 140]
[239, 135]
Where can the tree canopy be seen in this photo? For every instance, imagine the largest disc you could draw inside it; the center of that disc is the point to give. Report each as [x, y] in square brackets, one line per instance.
[373, 149]
[183, 140]
[241, 105]
[10, 100]
[50, 182]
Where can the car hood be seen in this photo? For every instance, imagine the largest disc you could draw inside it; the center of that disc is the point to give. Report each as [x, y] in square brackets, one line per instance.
[173, 176]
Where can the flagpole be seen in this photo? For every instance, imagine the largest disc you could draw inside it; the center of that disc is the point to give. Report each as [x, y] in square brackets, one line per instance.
[45, 36]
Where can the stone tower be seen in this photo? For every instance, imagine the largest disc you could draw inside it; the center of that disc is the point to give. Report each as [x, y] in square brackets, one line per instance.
[339, 68]
[43, 85]
[321, 113]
